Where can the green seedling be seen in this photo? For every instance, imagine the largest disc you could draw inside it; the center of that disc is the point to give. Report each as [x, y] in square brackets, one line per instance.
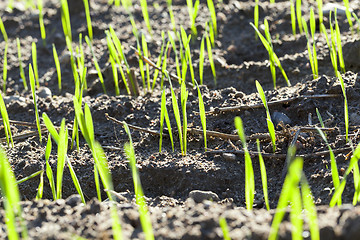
[147, 66]
[201, 60]
[263, 175]
[41, 21]
[139, 194]
[29, 177]
[299, 15]
[97, 66]
[211, 32]
[187, 58]
[11, 197]
[115, 75]
[65, 19]
[339, 191]
[61, 151]
[225, 229]
[272, 55]
[5, 67]
[164, 115]
[164, 65]
[144, 9]
[210, 56]
[202, 114]
[356, 174]
[171, 14]
[311, 52]
[331, 47]
[256, 16]
[114, 67]
[34, 61]
[293, 17]
[268, 117]
[49, 172]
[88, 19]
[348, 14]
[32, 84]
[57, 65]
[193, 10]
[346, 109]
[3, 31]
[320, 11]
[22, 72]
[40, 190]
[334, 169]
[6, 122]
[212, 11]
[291, 193]
[184, 96]
[338, 44]
[249, 171]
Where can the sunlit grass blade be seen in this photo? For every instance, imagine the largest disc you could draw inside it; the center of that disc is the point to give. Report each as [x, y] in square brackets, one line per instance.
[299, 15]
[6, 122]
[164, 115]
[115, 75]
[57, 65]
[88, 19]
[76, 181]
[3, 31]
[310, 208]
[320, 11]
[290, 184]
[211, 8]
[330, 46]
[29, 177]
[201, 60]
[249, 171]
[65, 19]
[49, 172]
[171, 13]
[139, 194]
[11, 197]
[296, 215]
[146, 54]
[211, 59]
[5, 67]
[202, 114]
[348, 15]
[61, 151]
[346, 110]
[40, 190]
[339, 47]
[339, 191]
[225, 229]
[41, 21]
[22, 73]
[32, 84]
[177, 64]
[293, 17]
[177, 119]
[144, 9]
[263, 175]
[184, 96]
[34, 61]
[333, 164]
[270, 124]
[158, 62]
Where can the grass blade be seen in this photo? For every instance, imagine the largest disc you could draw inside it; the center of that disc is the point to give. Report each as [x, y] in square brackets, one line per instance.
[32, 84]
[263, 175]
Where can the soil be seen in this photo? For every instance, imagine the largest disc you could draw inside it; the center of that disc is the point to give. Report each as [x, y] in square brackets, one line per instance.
[168, 177]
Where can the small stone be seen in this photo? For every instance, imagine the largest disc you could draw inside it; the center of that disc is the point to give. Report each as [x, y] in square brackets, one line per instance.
[232, 48]
[44, 92]
[229, 157]
[73, 200]
[14, 98]
[199, 196]
[278, 117]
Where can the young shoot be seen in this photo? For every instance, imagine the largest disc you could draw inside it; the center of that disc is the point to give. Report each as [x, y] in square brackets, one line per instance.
[57, 65]
[41, 21]
[346, 110]
[22, 72]
[164, 115]
[34, 61]
[268, 117]
[32, 84]
[65, 19]
[263, 175]
[88, 19]
[192, 10]
[299, 15]
[144, 9]
[211, 8]
[249, 171]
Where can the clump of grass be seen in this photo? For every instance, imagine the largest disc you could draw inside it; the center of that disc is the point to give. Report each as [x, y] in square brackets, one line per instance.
[57, 66]
[273, 59]
[11, 196]
[249, 171]
[291, 193]
[65, 19]
[270, 124]
[32, 84]
[41, 21]
[22, 72]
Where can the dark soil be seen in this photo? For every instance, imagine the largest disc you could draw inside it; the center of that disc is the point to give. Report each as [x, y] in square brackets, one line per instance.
[168, 177]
